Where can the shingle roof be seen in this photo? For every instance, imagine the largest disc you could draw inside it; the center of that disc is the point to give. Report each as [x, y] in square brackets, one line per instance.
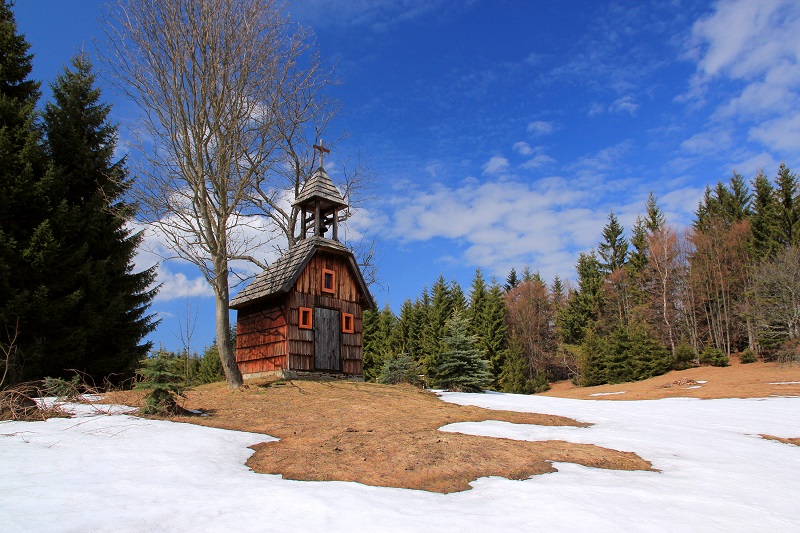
[320, 186]
[281, 275]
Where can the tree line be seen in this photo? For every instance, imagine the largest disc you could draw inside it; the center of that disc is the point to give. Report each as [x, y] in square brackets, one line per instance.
[69, 295]
[643, 304]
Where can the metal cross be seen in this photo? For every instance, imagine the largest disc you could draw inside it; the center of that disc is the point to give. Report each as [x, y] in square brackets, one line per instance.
[322, 150]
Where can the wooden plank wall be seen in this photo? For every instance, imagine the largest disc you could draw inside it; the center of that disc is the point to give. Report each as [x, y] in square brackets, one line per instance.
[261, 339]
[308, 293]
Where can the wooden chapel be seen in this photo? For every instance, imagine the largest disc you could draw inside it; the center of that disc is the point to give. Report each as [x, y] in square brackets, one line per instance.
[304, 312]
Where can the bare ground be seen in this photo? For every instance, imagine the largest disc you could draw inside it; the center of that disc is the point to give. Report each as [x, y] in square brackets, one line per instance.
[381, 435]
[388, 435]
[754, 380]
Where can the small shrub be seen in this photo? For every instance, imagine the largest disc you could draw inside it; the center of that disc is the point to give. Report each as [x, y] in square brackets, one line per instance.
[789, 353]
[747, 357]
[539, 382]
[400, 369]
[63, 389]
[685, 356]
[714, 357]
[164, 385]
[210, 369]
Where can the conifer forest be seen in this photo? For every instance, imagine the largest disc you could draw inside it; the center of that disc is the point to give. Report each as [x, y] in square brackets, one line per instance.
[644, 302]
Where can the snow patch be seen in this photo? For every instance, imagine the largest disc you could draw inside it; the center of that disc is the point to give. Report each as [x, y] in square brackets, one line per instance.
[607, 393]
[122, 473]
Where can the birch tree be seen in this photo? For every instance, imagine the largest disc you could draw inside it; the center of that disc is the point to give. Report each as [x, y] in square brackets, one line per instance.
[213, 79]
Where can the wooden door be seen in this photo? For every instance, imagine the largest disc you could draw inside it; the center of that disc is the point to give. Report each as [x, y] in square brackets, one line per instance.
[327, 339]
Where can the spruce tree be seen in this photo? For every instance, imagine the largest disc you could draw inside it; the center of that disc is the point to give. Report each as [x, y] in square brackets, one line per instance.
[460, 365]
[654, 219]
[512, 280]
[787, 186]
[458, 302]
[101, 303]
[766, 220]
[25, 237]
[477, 303]
[493, 337]
[584, 305]
[373, 344]
[559, 296]
[441, 309]
[527, 275]
[614, 248]
[515, 376]
[410, 329]
[637, 261]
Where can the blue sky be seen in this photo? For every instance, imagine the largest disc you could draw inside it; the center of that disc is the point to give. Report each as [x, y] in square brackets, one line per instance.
[502, 132]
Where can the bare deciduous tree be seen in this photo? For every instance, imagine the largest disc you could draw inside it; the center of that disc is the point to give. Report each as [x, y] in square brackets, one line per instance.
[222, 85]
[778, 297]
[663, 269]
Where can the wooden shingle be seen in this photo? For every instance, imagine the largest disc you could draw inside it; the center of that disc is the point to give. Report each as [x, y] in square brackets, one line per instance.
[320, 187]
[280, 277]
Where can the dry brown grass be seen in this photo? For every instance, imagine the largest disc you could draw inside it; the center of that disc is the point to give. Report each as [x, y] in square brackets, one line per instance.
[382, 435]
[752, 380]
[795, 441]
[388, 435]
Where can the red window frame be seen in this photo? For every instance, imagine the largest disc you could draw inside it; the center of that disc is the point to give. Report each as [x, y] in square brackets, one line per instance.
[348, 323]
[332, 288]
[305, 319]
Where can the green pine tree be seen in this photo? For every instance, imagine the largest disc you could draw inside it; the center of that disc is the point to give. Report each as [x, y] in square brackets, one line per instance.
[25, 237]
[460, 365]
[371, 342]
[654, 218]
[458, 302]
[512, 280]
[559, 296]
[440, 311]
[766, 220]
[477, 303]
[164, 383]
[614, 249]
[584, 305]
[99, 304]
[787, 186]
[515, 375]
[493, 336]
[210, 369]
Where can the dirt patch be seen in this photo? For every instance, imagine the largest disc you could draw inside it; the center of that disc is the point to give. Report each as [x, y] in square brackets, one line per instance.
[754, 380]
[795, 441]
[382, 435]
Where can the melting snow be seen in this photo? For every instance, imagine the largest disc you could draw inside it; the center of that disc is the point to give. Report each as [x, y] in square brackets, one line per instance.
[120, 473]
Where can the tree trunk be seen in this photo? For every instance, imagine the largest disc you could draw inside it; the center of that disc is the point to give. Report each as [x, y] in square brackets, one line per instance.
[226, 356]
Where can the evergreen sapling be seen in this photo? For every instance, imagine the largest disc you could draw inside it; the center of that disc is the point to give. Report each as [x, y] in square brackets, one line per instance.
[461, 367]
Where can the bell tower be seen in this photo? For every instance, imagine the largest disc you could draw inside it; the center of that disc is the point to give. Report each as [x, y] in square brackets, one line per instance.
[320, 202]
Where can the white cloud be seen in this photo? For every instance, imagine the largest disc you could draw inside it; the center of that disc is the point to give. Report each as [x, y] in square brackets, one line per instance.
[626, 104]
[538, 161]
[539, 128]
[522, 148]
[782, 134]
[176, 285]
[748, 57]
[509, 223]
[496, 165]
[745, 39]
[596, 108]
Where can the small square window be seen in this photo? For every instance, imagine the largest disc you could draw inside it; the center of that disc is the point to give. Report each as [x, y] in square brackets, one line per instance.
[348, 323]
[306, 320]
[328, 281]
